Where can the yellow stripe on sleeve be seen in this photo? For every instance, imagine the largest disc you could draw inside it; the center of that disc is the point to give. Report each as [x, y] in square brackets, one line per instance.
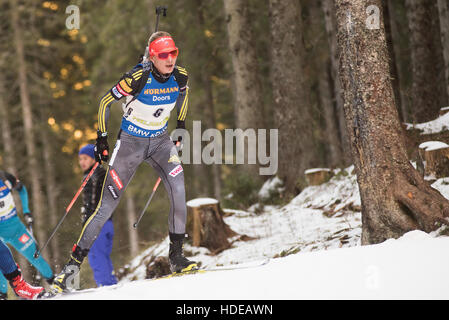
[107, 102]
[101, 120]
[137, 75]
[183, 111]
[100, 126]
[182, 71]
[101, 112]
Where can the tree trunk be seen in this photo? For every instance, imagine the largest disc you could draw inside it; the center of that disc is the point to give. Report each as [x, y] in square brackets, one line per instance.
[428, 91]
[322, 64]
[9, 161]
[397, 62]
[247, 86]
[152, 17]
[291, 99]
[334, 157]
[52, 189]
[392, 58]
[215, 168]
[131, 217]
[395, 198]
[248, 89]
[330, 24]
[209, 98]
[443, 10]
[33, 166]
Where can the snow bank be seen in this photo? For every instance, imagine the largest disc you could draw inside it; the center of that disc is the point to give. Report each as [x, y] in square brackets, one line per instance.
[337, 194]
[300, 239]
[412, 267]
[442, 185]
[302, 225]
[435, 126]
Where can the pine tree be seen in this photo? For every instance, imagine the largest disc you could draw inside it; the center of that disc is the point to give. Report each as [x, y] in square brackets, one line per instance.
[291, 98]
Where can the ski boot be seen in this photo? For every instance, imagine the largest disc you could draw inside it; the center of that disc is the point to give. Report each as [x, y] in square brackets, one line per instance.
[178, 262]
[70, 270]
[21, 288]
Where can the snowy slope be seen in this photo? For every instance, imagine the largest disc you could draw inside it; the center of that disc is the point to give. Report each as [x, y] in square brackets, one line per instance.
[299, 226]
[314, 247]
[412, 267]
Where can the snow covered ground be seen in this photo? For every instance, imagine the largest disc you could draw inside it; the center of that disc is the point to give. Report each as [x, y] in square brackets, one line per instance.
[314, 248]
[434, 126]
[412, 267]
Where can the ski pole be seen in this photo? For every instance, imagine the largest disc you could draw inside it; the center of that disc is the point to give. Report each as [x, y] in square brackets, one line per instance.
[38, 251]
[30, 230]
[148, 202]
[35, 276]
[151, 197]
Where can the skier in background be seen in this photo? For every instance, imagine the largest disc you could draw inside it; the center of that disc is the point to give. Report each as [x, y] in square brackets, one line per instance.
[14, 232]
[10, 271]
[143, 137]
[99, 254]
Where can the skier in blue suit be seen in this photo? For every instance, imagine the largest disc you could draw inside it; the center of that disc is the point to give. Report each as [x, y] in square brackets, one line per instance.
[14, 232]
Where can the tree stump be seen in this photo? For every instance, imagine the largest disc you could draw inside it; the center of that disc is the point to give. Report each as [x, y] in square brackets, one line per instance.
[435, 154]
[317, 176]
[205, 225]
[443, 111]
[159, 268]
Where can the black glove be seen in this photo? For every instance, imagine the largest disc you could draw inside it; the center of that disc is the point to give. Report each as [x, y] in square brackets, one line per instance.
[180, 125]
[28, 219]
[102, 147]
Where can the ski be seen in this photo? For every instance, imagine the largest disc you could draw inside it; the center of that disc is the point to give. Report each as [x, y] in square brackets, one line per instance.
[248, 265]
[49, 294]
[180, 274]
[253, 264]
